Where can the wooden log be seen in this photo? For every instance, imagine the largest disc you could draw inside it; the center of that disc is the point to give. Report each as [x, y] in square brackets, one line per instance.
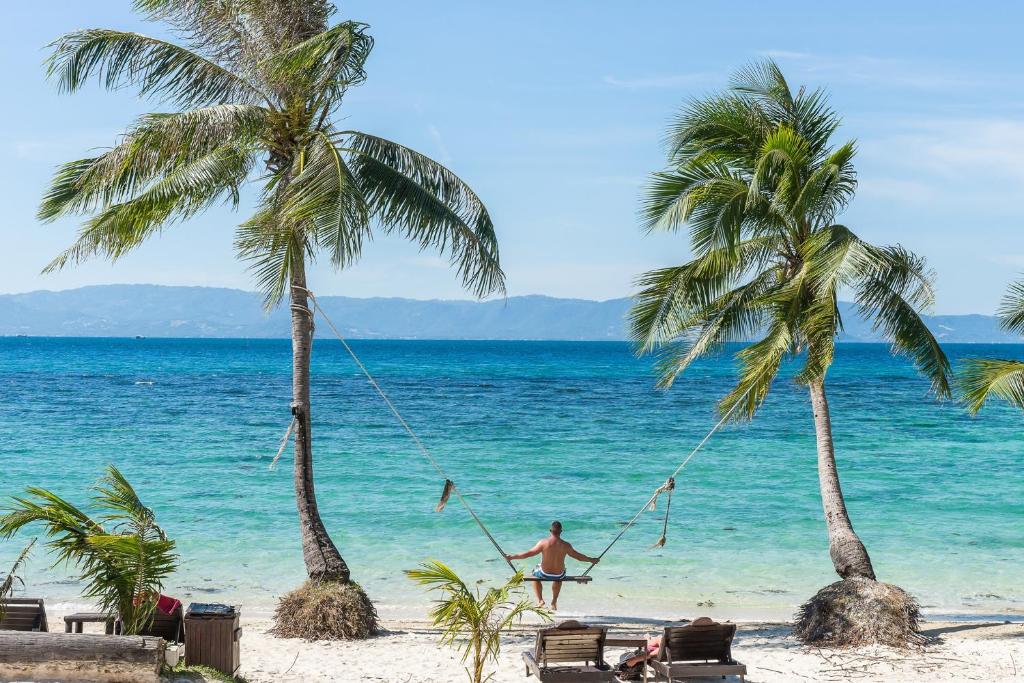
[79, 657]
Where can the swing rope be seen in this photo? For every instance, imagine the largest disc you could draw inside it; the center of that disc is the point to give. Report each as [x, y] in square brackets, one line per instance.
[450, 486]
[667, 487]
[416, 439]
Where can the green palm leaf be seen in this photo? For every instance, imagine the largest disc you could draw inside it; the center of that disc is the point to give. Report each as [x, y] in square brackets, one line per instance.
[157, 68]
[983, 378]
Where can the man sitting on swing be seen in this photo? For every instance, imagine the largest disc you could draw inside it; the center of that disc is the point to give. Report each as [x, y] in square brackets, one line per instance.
[552, 551]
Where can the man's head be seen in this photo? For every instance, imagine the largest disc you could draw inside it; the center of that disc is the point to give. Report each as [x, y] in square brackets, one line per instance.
[556, 528]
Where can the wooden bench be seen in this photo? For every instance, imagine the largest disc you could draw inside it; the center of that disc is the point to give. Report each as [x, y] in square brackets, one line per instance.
[74, 623]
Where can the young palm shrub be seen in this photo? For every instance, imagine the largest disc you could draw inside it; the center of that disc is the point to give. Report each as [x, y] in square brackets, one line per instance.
[471, 620]
[13, 577]
[983, 378]
[753, 174]
[121, 554]
[254, 93]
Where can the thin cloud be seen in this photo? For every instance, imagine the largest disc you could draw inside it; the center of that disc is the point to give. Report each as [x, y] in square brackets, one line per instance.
[785, 54]
[656, 81]
[879, 70]
[446, 158]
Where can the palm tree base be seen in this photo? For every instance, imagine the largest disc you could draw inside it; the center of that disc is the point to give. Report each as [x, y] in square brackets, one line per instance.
[326, 610]
[859, 611]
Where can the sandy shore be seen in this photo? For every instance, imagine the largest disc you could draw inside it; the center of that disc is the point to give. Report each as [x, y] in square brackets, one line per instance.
[409, 653]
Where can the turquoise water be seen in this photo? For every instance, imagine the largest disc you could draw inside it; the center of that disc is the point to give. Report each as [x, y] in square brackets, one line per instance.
[533, 431]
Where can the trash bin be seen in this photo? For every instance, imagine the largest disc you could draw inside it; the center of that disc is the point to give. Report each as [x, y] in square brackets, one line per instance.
[211, 636]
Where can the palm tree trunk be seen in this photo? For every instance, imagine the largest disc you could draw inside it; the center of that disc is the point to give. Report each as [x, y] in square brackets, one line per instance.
[323, 561]
[849, 556]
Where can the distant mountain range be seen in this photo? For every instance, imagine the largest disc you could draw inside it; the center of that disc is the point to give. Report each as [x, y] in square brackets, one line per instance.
[158, 311]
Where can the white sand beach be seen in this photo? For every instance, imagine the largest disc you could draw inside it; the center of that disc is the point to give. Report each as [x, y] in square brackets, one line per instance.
[409, 653]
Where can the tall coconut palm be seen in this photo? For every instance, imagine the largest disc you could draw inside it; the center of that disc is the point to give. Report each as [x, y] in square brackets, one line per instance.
[754, 176]
[983, 378]
[255, 89]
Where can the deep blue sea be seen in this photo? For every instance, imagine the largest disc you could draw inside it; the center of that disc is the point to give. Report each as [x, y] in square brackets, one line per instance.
[533, 431]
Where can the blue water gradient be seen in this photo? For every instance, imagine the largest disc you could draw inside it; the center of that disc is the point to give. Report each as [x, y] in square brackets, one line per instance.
[534, 431]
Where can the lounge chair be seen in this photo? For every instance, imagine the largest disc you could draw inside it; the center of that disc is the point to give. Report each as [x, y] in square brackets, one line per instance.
[170, 627]
[702, 648]
[23, 614]
[569, 642]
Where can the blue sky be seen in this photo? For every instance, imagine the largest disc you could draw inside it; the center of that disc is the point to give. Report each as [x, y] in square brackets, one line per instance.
[554, 111]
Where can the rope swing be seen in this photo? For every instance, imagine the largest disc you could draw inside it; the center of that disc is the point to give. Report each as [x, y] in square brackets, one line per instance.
[449, 485]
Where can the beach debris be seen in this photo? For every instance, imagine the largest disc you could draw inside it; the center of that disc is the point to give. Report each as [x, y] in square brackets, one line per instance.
[326, 610]
[448, 486]
[859, 611]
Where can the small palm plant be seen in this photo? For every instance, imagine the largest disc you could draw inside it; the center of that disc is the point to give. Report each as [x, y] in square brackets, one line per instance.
[13, 577]
[122, 555]
[478, 618]
[983, 378]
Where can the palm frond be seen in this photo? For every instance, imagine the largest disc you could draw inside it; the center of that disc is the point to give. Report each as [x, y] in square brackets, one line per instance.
[326, 64]
[178, 195]
[414, 195]
[156, 145]
[325, 200]
[890, 294]
[156, 67]
[983, 378]
[1011, 310]
[759, 364]
[13, 577]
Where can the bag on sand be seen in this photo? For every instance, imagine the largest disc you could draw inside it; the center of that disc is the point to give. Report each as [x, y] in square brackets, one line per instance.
[635, 672]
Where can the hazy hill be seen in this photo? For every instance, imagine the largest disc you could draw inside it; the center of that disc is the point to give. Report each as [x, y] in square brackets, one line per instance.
[156, 311]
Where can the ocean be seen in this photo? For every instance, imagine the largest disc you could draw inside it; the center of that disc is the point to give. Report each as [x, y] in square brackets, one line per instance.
[532, 431]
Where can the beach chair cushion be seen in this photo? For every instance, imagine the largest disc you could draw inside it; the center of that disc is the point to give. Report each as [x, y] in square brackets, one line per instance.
[23, 614]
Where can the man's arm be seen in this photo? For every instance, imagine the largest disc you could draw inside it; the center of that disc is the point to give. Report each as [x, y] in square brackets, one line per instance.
[535, 550]
[580, 556]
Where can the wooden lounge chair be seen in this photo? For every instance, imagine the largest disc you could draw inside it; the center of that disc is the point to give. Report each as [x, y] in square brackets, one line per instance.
[703, 648]
[23, 614]
[170, 627]
[569, 642]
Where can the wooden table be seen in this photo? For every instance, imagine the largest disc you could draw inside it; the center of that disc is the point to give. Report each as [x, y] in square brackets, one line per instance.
[73, 623]
[625, 642]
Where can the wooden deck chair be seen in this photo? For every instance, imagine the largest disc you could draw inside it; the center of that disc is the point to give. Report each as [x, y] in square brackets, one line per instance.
[170, 627]
[23, 614]
[703, 648]
[569, 642]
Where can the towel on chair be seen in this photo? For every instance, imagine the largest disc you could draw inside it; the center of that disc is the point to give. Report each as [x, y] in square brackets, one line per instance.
[167, 605]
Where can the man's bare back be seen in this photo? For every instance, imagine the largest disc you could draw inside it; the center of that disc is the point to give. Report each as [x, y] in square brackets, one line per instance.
[553, 551]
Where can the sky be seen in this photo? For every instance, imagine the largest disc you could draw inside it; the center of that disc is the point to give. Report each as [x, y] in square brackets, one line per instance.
[554, 113]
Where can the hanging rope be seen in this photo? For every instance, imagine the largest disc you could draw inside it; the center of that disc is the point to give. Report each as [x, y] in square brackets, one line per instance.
[668, 486]
[284, 442]
[450, 486]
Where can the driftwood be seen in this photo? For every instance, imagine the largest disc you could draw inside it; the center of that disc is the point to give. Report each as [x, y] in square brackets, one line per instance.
[79, 657]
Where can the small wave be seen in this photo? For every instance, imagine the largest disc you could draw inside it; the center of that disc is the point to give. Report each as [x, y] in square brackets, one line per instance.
[144, 381]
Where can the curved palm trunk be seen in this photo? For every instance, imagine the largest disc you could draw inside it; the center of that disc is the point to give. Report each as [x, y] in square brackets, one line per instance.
[323, 561]
[849, 556]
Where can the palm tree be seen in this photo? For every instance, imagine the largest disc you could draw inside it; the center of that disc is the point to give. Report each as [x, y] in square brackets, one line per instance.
[255, 92]
[753, 174]
[983, 378]
[123, 555]
[473, 620]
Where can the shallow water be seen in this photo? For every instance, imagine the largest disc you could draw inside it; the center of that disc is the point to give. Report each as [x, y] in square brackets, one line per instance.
[533, 431]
